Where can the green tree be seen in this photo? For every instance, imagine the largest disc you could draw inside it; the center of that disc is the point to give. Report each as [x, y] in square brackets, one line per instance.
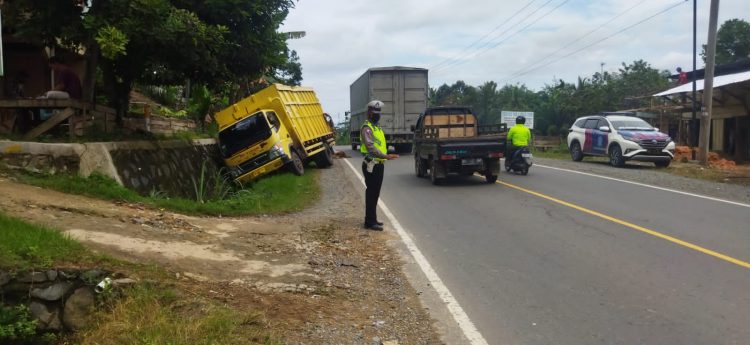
[164, 42]
[732, 42]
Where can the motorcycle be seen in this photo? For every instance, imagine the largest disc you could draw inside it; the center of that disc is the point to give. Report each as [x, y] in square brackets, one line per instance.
[520, 162]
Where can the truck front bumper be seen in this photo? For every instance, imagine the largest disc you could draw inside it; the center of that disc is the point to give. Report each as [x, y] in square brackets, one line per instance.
[261, 170]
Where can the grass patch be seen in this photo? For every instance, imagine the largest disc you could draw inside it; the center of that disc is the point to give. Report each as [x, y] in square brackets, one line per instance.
[147, 314]
[154, 315]
[274, 194]
[25, 246]
[560, 152]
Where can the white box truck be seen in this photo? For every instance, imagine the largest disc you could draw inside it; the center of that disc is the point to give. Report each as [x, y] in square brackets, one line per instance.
[404, 92]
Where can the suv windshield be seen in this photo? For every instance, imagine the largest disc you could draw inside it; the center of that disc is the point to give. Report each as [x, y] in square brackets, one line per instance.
[243, 134]
[631, 125]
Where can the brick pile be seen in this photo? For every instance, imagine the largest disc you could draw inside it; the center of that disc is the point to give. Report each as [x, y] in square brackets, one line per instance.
[716, 162]
[684, 154]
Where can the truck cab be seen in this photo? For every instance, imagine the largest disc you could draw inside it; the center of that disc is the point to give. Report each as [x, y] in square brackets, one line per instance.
[254, 145]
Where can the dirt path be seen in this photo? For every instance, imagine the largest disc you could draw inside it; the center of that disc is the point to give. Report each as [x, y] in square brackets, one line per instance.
[316, 274]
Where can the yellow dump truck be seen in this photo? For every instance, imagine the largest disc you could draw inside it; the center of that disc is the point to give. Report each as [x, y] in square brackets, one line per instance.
[279, 126]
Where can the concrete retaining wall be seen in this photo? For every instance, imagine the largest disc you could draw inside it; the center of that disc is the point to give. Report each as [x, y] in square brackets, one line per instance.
[169, 167]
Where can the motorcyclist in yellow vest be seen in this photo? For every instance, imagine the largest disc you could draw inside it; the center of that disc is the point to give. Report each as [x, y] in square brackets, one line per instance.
[375, 150]
[518, 137]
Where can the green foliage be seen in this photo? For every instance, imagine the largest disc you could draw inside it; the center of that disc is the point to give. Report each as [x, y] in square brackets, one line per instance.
[165, 95]
[164, 111]
[211, 187]
[165, 42]
[25, 246]
[16, 324]
[342, 131]
[732, 42]
[96, 185]
[557, 105]
[278, 193]
[552, 130]
[112, 42]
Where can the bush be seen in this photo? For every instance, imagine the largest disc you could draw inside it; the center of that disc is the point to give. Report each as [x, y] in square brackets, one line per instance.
[16, 324]
[552, 130]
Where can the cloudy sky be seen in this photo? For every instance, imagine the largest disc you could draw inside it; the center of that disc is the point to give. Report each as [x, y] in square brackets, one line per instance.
[531, 42]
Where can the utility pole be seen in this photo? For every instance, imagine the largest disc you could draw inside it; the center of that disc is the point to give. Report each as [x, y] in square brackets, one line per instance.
[708, 84]
[694, 102]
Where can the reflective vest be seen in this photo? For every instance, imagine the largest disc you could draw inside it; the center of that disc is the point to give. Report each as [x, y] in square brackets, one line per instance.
[378, 138]
[519, 135]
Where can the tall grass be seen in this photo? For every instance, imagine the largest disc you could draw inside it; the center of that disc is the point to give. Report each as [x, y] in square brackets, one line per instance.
[211, 187]
[154, 315]
[24, 246]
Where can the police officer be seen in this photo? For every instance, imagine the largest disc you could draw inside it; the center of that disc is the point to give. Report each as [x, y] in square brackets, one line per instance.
[518, 137]
[375, 150]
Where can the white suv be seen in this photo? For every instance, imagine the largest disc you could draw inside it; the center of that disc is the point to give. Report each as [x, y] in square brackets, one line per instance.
[621, 138]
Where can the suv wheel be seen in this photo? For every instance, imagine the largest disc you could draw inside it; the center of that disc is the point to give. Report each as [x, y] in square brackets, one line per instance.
[575, 152]
[615, 156]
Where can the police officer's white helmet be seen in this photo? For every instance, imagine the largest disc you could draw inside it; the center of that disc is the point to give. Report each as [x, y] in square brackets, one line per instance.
[375, 106]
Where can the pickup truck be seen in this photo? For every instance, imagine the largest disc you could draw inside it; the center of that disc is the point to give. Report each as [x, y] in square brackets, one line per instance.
[449, 141]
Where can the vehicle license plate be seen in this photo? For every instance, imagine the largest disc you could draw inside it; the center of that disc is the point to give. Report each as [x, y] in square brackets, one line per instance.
[471, 161]
[526, 155]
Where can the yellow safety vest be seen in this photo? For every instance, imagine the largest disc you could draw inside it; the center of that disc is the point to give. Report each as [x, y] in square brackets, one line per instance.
[519, 135]
[378, 138]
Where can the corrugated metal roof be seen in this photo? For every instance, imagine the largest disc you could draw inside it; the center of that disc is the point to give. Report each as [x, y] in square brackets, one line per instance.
[718, 81]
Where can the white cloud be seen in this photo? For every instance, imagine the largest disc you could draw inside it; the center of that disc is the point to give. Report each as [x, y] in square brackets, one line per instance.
[345, 38]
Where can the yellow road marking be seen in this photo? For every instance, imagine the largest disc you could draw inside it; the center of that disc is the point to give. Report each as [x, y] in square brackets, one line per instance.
[632, 226]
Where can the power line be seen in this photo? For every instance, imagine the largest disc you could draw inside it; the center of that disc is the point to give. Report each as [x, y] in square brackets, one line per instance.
[456, 62]
[515, 33]
[576, 40]
[601, 40]
[506, 21]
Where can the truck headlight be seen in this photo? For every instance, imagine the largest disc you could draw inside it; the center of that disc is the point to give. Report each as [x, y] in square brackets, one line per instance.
[235, 171]
[275, 152]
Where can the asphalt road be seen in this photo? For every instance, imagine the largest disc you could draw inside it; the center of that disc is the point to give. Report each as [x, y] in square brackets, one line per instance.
[562, 258]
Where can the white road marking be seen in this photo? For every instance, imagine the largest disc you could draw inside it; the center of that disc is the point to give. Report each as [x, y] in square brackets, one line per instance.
[647, 186]
[467, 327]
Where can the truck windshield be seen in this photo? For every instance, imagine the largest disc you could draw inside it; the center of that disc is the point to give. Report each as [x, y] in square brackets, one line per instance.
[632, 125]
[244, 134]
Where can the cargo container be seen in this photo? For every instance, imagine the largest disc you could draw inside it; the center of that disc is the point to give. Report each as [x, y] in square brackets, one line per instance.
[279, 126]
[404, 92]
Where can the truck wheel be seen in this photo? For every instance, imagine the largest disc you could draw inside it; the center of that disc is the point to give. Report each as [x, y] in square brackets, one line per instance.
[420, 167]
[433, 174]
[296, 166]
[615, 156]
[324, 159]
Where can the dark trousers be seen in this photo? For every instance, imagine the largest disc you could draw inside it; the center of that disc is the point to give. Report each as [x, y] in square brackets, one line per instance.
[373, 181]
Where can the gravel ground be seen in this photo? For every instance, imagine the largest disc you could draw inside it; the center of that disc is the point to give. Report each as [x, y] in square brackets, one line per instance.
[647, 174]
[316, 275]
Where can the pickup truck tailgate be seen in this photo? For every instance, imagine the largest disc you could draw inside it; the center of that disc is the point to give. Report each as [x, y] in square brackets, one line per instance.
[471, 149]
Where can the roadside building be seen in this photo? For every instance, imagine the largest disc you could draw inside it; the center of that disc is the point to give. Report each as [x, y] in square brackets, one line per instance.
[730, 119]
